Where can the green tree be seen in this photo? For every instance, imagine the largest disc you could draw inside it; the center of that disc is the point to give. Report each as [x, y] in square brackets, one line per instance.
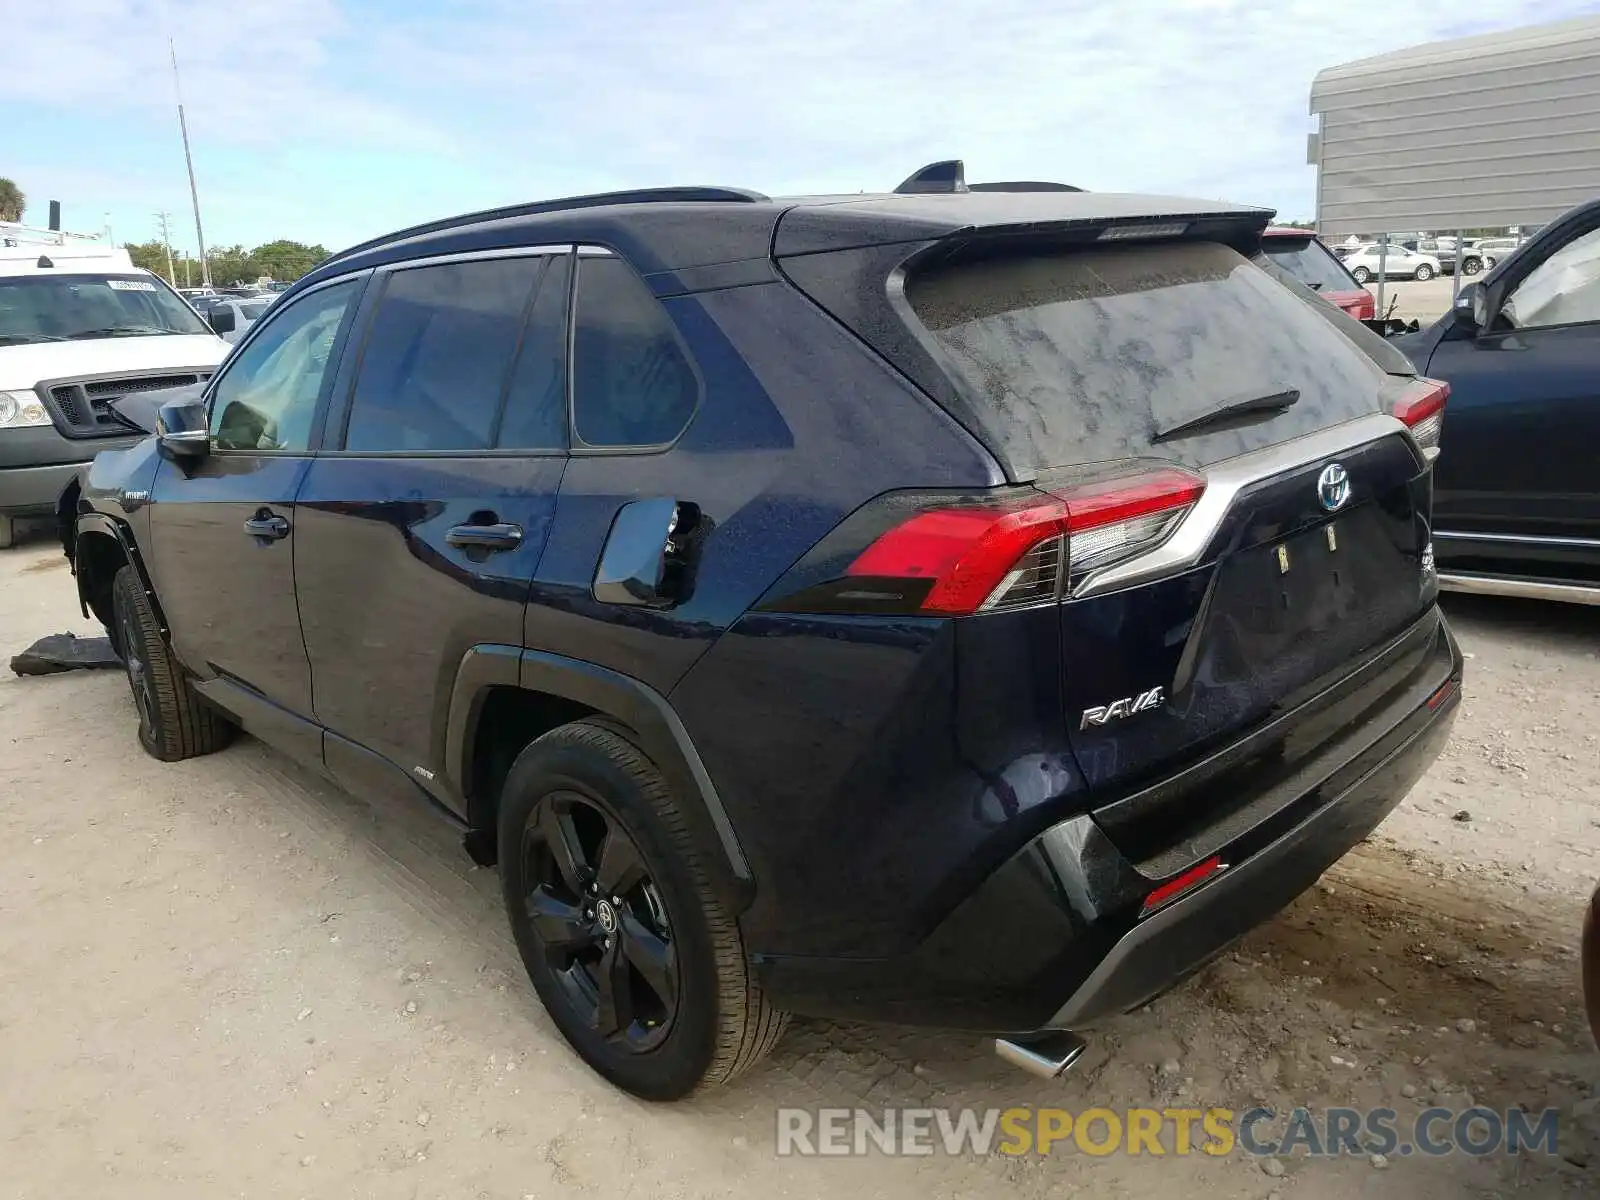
[151, 256]
[287, 260]
[232, 265]
[12, 201]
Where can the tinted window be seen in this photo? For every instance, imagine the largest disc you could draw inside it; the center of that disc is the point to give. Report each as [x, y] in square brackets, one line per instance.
[267, 396]
[632, 384]
[1309, 262]
[536, 404]
[1562, 290]
[1087, 356]
[437, 356]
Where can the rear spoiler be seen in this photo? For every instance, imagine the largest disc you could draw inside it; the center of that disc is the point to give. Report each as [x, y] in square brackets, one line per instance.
[1061, 217]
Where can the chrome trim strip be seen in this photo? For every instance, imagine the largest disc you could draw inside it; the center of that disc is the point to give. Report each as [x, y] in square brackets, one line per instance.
[1523, 589]
[1224, 482]
[1525, 539]
[433, 260]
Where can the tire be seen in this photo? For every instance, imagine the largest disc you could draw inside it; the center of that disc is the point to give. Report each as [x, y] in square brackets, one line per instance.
[1424, 273]
[174, 722]
[577, 787]
[1471, 266]
[8, 532]
[1362, 275]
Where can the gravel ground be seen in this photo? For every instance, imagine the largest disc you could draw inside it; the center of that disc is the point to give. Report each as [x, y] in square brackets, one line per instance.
[1425, 302]
[226, 978]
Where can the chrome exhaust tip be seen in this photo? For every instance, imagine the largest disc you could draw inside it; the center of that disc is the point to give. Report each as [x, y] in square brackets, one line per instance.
[1048, 1055]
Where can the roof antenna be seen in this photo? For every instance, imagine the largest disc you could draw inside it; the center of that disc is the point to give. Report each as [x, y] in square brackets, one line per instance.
[44, 261]
[947, 176]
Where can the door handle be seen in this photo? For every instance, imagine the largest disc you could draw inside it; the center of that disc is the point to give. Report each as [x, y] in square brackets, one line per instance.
[499, 536]
[267, 525]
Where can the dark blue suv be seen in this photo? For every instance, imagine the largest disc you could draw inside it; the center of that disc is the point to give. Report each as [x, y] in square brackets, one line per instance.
[972, 608]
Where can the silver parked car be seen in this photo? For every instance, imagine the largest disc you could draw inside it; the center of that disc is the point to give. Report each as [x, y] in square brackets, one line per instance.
[1493, 250]
[230, 316]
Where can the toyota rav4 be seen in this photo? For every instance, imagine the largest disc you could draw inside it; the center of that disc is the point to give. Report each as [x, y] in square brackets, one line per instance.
[970, 608]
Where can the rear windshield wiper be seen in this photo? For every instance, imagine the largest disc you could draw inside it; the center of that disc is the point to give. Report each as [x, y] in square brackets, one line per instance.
[1273, 402]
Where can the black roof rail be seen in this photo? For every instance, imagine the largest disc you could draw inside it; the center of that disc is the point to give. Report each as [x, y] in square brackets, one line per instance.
[662, 195]
[1023, 185]
[948, 175]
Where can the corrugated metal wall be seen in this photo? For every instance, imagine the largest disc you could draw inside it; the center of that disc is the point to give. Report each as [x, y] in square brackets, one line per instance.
[1497, 130]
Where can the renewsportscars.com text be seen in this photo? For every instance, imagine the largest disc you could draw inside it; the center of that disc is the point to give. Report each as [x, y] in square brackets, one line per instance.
[1178, 1132]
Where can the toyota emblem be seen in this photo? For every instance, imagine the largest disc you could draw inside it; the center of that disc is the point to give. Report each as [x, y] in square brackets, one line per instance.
[1333, 487]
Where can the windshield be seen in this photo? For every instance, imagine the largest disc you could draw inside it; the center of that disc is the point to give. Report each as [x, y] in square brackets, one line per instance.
[61, 308]
[1309, 262]
[1086, 356]
[252, 309]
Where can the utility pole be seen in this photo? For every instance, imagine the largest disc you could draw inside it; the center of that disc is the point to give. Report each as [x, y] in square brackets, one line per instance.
[163, 220]
[188, 161]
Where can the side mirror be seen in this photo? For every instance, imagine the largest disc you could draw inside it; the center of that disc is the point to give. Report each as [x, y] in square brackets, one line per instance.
[1472, 308]
[181, 426]
[221, 320]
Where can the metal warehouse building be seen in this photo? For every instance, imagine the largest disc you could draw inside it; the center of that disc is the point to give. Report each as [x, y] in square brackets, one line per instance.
[1496, 130]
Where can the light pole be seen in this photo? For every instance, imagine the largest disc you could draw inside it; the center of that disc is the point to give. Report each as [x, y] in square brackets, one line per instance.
[188, 161]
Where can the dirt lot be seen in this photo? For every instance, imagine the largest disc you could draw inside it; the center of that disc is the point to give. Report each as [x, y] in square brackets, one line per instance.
[1424, 301]
[226, 978]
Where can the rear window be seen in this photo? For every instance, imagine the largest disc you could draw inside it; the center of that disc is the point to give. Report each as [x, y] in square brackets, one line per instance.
[1088, 355]
[1309, 262]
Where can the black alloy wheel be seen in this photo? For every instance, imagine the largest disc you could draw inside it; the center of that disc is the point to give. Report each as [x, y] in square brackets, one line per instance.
[598, 917]
[628, 943]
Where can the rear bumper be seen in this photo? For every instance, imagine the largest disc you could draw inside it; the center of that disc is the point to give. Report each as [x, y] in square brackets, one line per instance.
[1055, 937]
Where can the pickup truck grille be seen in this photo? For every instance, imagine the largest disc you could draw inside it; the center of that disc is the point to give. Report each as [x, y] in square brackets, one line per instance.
[82, 409]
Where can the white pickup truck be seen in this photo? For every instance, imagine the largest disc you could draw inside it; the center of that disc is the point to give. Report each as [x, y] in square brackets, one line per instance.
[80, 326]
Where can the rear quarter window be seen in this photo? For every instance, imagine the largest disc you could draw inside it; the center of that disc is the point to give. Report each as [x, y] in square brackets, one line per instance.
[1083, 356]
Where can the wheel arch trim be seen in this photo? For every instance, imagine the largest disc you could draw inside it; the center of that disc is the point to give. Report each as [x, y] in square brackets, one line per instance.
[101, 525]
[646, 712]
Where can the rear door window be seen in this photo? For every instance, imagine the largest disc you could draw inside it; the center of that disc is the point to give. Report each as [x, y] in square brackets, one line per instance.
[1095, 354]
[438, 355]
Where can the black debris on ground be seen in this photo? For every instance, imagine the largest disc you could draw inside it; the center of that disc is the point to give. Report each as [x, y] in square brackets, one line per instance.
[65, 652]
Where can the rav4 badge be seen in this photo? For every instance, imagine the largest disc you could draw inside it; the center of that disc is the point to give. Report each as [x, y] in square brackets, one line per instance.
[1119, 710]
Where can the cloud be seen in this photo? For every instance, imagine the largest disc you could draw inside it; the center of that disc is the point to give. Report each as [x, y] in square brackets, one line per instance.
[486, 101]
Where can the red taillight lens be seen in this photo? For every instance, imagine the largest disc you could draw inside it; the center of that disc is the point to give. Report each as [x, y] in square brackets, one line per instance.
[984, 557]
[967, 552]
[1422, 410]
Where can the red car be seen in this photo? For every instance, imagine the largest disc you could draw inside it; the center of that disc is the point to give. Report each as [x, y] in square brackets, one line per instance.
[1299, 252]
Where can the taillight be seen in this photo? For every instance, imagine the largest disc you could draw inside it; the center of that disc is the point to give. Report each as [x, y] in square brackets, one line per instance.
[979, 557]
[1422, 410]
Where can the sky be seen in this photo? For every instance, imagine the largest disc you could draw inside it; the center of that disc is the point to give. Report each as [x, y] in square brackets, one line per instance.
[333, 121]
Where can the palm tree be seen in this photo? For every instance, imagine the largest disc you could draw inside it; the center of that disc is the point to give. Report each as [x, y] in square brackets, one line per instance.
[11, 201]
